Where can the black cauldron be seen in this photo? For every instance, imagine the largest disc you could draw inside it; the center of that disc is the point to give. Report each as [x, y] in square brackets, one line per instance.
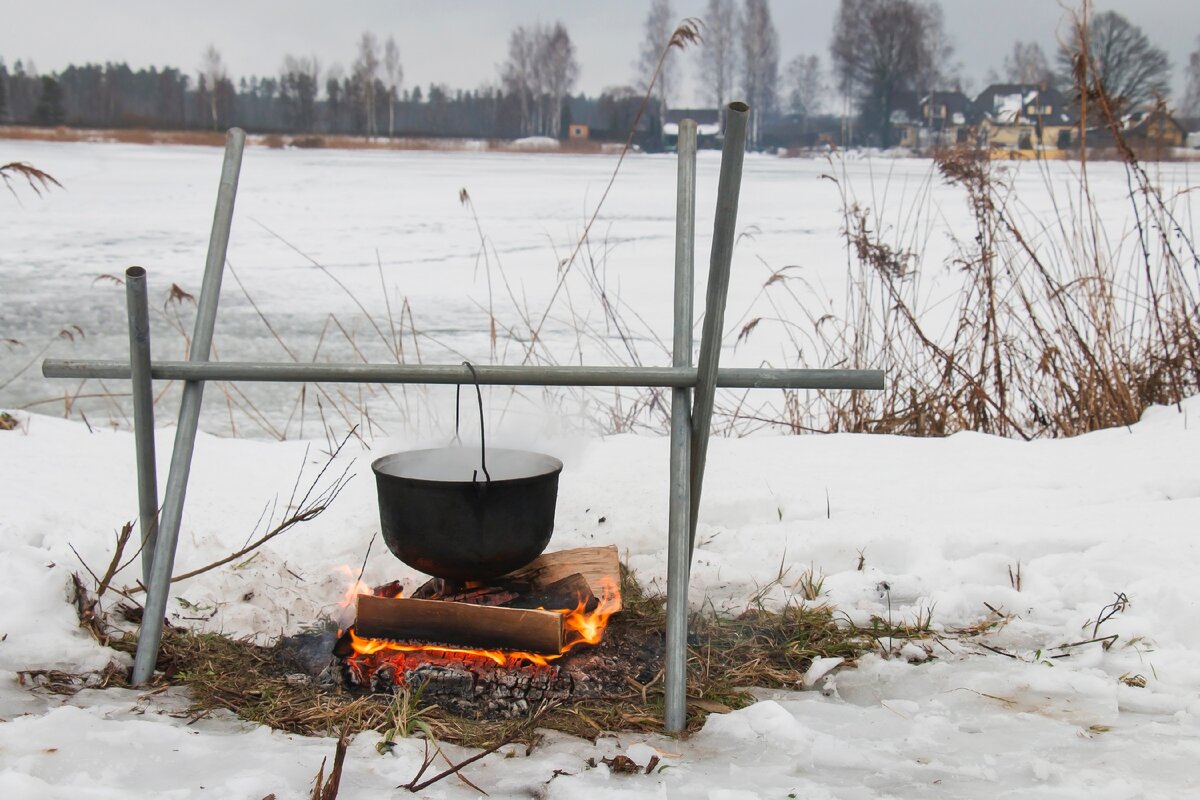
[452, 515]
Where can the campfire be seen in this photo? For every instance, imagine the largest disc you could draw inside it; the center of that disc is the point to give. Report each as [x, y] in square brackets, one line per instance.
[487, 646]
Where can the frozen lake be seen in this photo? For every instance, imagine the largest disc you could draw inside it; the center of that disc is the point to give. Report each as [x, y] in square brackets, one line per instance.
[391, 229]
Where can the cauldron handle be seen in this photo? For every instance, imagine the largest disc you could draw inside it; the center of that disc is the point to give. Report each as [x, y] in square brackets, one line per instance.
[482, 442]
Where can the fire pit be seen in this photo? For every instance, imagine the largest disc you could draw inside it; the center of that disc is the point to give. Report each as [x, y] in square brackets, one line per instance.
[492, 648]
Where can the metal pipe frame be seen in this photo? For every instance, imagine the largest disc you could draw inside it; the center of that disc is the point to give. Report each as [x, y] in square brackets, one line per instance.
[150, 633]
[143, 413]
[492, 375]
[724, 235]
[678, 526]
[690, 428]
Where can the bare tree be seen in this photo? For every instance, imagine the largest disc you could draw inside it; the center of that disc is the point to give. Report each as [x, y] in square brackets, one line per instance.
[1191, 98]
[1027, 64]
[805, 86]
[1132, 69]
[882, 47]
[658, 27]
[718, 53]
[540, 71]
[366, 71]
[516, 75]
[760, 65]
[212, 73]
[556, 55]
[395, 76]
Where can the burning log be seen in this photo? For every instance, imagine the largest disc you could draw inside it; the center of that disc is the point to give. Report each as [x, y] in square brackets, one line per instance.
[542, 609]
[459, 625]
[571, 592]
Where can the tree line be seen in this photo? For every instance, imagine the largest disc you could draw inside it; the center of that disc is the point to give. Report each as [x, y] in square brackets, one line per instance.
[879, 50]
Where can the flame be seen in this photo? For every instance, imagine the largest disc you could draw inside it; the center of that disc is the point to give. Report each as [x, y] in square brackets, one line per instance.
[580, 625]
[589, 626]
[355, 587]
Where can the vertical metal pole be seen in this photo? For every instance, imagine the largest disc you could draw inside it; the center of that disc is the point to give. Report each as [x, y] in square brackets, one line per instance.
[143, 413]
[150, 634]
[724, 233]
[678, 529]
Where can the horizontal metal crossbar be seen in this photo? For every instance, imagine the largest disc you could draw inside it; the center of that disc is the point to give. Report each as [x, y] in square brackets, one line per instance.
[497, 375]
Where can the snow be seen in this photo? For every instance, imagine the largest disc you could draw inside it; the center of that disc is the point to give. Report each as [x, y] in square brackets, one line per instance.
[536, 143]
[938, 523]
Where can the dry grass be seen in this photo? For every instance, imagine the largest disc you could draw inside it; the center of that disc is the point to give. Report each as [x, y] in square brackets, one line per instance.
[731, 655]
[301, 141]
[1061, 326]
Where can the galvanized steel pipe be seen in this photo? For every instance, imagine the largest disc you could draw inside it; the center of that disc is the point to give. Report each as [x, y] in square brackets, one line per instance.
[492, 375]
[143, 413]
[150, 633]
[678, 528]
[724, 235]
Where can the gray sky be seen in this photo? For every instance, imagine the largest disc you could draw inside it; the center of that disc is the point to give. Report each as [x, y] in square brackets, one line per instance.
[460, 42]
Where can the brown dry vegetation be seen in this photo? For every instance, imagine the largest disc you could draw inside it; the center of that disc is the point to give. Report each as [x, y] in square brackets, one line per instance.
[1061, 326]
[759, 648]
[302, 141]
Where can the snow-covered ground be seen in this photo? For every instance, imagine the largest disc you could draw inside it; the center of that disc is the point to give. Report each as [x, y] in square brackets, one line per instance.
[939, 524]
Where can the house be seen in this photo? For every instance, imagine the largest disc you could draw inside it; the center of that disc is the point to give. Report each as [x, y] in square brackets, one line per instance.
[1155, 126]
[930, 120]
[1016, 116]
[709, 126]
[1148, 130]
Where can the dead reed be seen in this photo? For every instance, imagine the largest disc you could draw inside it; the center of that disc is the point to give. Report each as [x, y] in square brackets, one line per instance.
[1061, 326]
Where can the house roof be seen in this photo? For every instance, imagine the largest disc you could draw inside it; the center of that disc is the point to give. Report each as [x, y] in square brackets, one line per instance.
[1138, 123]
[955, 101]
[1010, 102]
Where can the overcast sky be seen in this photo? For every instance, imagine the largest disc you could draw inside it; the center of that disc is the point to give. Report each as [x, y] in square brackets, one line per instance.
[461, 42]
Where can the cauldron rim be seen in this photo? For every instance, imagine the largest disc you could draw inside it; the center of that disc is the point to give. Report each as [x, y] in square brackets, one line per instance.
[552, 466]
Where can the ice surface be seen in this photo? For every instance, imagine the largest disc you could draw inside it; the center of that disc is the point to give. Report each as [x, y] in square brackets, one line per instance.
[390, 228]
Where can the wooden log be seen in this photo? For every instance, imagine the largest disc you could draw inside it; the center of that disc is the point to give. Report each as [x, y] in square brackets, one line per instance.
[433, 622]
[566, 594]
[596, 564]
